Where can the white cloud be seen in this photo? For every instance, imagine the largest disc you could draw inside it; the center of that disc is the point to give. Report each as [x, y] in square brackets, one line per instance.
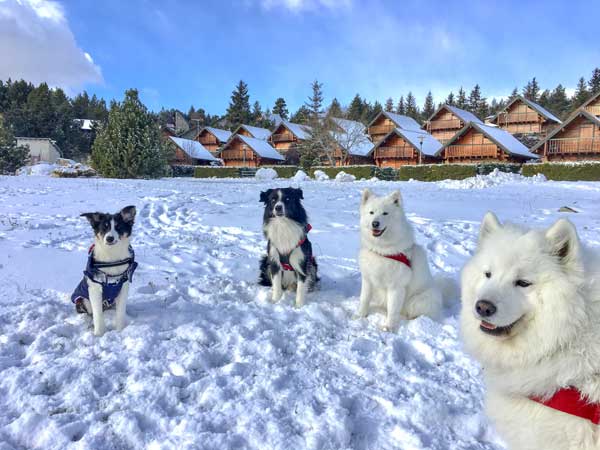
[305, 5]
[37, 44]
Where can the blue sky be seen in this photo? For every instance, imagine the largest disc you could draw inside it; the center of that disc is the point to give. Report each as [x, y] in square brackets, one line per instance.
[179, 53]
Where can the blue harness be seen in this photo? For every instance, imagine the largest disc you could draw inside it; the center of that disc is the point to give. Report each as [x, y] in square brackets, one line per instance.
[111, 284]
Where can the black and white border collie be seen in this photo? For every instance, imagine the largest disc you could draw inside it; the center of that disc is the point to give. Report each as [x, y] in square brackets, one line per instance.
[289, 261]
[109, 270]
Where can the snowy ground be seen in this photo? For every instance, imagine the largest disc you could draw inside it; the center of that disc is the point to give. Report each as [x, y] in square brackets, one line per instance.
[206, 361]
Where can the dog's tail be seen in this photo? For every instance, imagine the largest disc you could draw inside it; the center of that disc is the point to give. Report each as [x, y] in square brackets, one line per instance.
[449, 288]
[264, 279]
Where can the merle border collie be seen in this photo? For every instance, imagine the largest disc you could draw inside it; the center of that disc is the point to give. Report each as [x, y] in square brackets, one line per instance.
[289, 262]
[109, 270]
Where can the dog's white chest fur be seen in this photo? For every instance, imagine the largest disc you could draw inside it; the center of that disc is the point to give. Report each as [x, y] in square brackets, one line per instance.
[284, 234]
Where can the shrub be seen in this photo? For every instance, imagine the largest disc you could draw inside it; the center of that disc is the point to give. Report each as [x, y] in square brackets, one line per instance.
[582, 171]
[437, 172]
[487, 168]
[182, 171]
[216, 172]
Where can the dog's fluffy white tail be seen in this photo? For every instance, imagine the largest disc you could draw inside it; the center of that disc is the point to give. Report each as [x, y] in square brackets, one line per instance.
[449, 288]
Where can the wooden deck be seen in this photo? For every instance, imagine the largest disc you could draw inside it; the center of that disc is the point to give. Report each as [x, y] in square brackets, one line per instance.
[471, 151]
[595, 110]
[381, 129]
[518, 117]
[573, 146]
[394, 152]
[446, 124]
[283, 137]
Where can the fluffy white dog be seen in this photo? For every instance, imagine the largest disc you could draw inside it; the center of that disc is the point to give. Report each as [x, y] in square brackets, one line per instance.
[531, 316]
[395, 272]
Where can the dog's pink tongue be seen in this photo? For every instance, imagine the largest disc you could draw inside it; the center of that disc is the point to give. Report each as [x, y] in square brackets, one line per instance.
[488, 325]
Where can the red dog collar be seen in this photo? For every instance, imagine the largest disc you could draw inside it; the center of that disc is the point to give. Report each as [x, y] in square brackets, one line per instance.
[570, 401]
[307, 228]
[400, 257]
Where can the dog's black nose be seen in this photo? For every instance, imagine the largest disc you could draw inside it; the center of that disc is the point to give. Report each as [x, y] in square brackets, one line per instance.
[278, 208]
[485, 308]
[375, 224]
[110, 239]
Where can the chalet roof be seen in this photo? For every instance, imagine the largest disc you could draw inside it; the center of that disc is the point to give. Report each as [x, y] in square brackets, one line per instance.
[431, 146]
[408, 123]
[257, 132]
[500, 137]
[260, 146]
[192, 133]
[538, 108]
[591, 99]
[193, 149]
[222, 135]
[579, 113]
[348, 125]
[300, 131]
[465, 116]
[352, 134]
[276, 119]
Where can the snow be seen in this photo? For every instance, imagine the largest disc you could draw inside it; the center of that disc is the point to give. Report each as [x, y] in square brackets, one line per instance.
[344, 177]
[300, 131]
[539, 108]
[257, 132]
[265, 173]
[463, 115]
[262, 148]
[495, 178]
[206, 361]
[194, 149]
[430, 145]
[301, 176]
[62, 166]
[320, 175]
[506, 140]
[405, 122]
[222, 135]
[39, 169]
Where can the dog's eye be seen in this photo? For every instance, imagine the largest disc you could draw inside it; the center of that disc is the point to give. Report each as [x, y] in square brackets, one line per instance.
[522, 283]
[385, 214]
[287, 199]
[371, 212]
[488, 274]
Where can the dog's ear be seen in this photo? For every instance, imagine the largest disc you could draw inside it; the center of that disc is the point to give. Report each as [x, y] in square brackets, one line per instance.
[298, 193]
[264, 196]
[93, 218]
[366, 195]
[396, 197]
[490, 223]
[564, 242]
[128, 213]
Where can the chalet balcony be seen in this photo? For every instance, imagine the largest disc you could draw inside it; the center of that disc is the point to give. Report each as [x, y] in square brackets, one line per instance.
[595, 110]
[472, 151]
[573, 146]
[395, 152]
[209, 141]
[282, 137]
[381, 129]
[518, 118]
[450, 124]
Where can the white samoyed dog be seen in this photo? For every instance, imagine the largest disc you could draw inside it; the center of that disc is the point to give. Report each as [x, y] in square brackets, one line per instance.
[531, 316]
[394, 269]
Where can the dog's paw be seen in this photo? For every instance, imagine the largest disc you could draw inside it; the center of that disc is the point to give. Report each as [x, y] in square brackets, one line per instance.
[359, 315]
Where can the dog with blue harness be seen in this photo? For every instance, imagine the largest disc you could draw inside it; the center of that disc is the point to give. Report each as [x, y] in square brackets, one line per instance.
[109, 269]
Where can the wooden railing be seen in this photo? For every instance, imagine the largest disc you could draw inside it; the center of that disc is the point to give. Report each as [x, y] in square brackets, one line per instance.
[394, 152]
[282, 137]
[518, 117]
[471, 151]
[449, 124]
[573, 145]
[209, 141]
[381, 129]
[595, 110]
[238, 155]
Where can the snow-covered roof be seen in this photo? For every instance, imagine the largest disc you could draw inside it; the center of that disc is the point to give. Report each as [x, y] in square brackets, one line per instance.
[349, 126]
[276, 119]
[193, 149]
[222, 135]
[540, 109]
[405, 122]
[431, 146]
[463, 115]
[261, 147]
[352, 136]
[257, 132]
[86, 124]
[300, 131]
[505, 140]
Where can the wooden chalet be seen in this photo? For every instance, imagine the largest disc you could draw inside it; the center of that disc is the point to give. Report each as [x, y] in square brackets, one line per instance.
[385, 122]
[593, 105]
[575, 140]
[353, 146]
[478, 143]
[189, 152]
[255, 132]
[287, 135]
[522, 116]
[407, 147]
[245, 151]
[447, 121]
[211, 138]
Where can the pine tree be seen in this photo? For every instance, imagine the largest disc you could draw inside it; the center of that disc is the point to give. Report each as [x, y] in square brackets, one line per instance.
[594, 83]
[314, 103]
[461, 101]
[357, 110]
[129, 146]
[238, 112]
[389, 105]
[450, 99]
[12, 157]
[320, 141]
[280, 108]
[335, 109]
[531, 90]
[474, 99]
[558, 102]
[301, 116]
[257, 114]
[412, 110]
[581, 94]
[372, 111]
[401, 107]
[428, 107]
[544, 99]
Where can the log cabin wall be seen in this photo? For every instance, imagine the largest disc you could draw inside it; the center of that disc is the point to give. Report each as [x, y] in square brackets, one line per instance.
[473, 147]
[209, 141]
[521, 118]
[282, 139]
[594, 107]
[380, 128]
[341, 159]
[238, 154]
[444, 126]
[395, 152]
[579, 140]
[244, 132]
[181, 158]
